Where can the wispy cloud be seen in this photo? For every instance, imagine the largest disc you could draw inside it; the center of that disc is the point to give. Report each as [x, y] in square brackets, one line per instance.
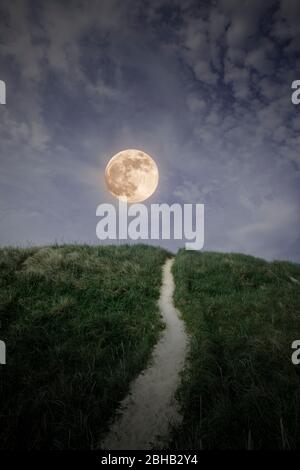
[204, 89]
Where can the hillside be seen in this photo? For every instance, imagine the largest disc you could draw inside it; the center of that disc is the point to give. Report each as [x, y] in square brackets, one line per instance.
[240, 388]
[79, 324]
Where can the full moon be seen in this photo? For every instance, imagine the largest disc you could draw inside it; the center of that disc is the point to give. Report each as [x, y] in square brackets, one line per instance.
[131, 175]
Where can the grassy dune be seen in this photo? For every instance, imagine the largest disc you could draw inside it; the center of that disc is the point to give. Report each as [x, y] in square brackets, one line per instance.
[79, 324]
[240, 389]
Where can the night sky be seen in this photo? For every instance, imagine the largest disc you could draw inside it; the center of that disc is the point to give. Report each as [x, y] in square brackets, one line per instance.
[205, 90]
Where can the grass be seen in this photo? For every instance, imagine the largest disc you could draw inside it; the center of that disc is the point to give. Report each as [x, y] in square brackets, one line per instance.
[239, 389]
[79, 324]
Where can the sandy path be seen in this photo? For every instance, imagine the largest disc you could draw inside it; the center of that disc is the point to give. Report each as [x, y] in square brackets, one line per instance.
[150, 406]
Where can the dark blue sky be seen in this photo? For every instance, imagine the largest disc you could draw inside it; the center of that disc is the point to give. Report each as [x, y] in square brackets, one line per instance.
[205, 90]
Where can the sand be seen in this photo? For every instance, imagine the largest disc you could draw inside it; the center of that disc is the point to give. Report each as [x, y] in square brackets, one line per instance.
[150, 407]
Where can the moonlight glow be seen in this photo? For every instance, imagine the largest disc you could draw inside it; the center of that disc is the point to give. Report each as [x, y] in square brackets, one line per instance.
[131, 175]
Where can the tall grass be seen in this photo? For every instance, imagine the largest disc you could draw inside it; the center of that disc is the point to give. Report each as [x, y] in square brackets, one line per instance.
[240, 389]
[79, 324]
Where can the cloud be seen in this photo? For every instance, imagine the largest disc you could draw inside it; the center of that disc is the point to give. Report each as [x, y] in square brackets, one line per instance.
[205, 89]
[273, 228]
[286, 27]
